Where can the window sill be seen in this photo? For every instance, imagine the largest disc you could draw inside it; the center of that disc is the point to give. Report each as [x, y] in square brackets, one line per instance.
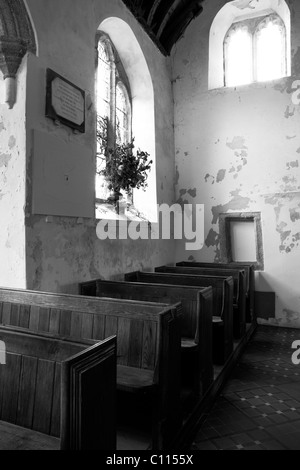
[251, 86]
[107, 211]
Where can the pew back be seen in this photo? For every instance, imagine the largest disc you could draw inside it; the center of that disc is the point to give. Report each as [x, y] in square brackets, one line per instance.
[249, 274]
[222, 299]
[239, 291]
[82, 317]
[189, 297]
[196, 319]
[239, 276]
[217, 283]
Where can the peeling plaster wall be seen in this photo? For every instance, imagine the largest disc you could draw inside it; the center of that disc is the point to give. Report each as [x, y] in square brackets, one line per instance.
[239, 150]
[12, 185]
[62, 251]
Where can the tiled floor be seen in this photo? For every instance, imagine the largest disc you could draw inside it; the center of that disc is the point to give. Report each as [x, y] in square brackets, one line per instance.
[259, 407]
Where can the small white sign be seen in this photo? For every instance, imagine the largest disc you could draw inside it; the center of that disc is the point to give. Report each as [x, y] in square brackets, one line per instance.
[67, 101]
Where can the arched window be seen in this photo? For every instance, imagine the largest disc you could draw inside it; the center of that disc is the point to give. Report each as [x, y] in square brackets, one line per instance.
[255, 51]
[250, 44]
[113, 108]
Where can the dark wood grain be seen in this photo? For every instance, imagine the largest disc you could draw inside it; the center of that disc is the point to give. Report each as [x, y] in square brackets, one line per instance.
[31, 384]
[239, 289]
[128, 320]
[222, 288]
[249, 269]
[196, 320]
[27, 391]
[89, 383]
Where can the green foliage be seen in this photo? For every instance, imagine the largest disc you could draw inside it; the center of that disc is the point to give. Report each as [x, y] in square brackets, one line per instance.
[126, 168]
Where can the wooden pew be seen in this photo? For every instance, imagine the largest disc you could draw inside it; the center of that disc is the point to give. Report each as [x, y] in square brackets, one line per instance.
[250, 280]
[148, 343]
[62, 388]
[222, 304]
[239, 290]
[196, 322]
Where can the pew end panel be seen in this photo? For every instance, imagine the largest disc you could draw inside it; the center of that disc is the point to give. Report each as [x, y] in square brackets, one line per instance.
[31, 386]
[89, 381]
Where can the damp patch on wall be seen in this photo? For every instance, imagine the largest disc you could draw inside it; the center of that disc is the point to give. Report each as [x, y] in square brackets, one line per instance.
[287, 213]
[236, 203]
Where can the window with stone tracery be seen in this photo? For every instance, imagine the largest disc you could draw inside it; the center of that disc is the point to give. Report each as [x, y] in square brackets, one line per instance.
[113, 106]
[255, 50]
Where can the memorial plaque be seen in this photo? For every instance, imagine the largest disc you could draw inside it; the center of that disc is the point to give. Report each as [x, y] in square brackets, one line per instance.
[65, 102]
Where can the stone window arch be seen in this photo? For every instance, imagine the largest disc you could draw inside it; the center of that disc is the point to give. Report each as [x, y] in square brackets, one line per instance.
[261, 20]
[255, 51]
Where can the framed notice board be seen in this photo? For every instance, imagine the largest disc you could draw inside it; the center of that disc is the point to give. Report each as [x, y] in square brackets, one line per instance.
[65, 102]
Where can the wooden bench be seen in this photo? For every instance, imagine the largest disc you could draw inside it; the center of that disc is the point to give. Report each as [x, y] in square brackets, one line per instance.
[222, 304]
[196, 322]
[250, 280]
[239, 290]
[148, 343]
[62, 388]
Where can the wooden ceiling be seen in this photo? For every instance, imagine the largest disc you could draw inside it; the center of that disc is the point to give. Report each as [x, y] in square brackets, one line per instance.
[165, 20]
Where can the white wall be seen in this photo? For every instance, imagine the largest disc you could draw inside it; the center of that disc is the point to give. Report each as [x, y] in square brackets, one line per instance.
[13, 185]
[238, 150]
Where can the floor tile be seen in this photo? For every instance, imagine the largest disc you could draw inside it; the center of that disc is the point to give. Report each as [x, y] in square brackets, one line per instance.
[259, 407]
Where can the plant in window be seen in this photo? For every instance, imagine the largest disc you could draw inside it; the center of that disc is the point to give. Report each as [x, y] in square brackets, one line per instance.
[126, 168]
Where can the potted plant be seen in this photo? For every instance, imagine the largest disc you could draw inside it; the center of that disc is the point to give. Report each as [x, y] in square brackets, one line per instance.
[126, 168]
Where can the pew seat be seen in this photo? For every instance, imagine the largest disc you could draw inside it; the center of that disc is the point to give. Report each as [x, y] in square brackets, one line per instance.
[134, 379]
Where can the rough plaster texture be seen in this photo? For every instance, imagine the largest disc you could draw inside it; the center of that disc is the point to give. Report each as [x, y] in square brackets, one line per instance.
[13, 187]
[239, 149]
[62, 251]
